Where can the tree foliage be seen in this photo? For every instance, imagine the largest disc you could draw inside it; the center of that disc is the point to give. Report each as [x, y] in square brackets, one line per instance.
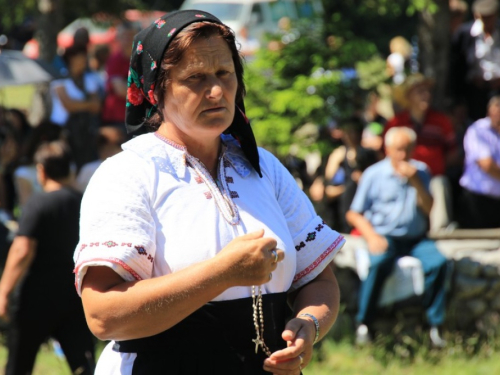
[302, 81]
[14, 15]
[374, 20]
[308, 78]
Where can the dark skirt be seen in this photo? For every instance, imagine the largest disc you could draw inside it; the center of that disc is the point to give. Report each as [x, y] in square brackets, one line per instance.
[216, 339]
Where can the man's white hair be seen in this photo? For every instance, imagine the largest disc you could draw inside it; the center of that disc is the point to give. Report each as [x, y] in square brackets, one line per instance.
[391, 133]
[495, 100]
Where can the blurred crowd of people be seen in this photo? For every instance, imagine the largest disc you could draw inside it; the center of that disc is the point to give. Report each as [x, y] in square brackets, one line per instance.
[44, 169]
[421, 171]
[91, 95]
[460, 146]
[86, 110]
[440, 173]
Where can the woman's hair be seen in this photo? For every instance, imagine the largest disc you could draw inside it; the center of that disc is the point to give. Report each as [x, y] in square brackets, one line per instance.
[45, 132]
[353, 123]
[175, 51]
[55, 157]
[389, 136]
[73, 51]
[399, 44]
[23, 121]
[18, 124]
[110, 136]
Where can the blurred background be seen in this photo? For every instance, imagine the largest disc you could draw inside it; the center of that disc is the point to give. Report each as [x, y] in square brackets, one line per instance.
[321, 76]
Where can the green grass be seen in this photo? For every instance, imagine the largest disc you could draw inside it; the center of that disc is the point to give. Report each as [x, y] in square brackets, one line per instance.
[343, 358]
[47, 363]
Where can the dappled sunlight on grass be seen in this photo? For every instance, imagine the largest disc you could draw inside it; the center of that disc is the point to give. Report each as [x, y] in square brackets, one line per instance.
[344, 358]
[47, 363]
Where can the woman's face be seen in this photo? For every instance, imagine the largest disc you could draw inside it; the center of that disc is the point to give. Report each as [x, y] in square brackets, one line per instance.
[419, 97]
[200, 97]
[78, 64]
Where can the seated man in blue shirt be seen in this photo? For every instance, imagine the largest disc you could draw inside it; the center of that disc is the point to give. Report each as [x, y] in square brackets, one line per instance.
[390, 210]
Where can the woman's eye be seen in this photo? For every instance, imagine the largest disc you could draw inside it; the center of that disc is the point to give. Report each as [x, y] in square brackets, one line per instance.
[222, 72]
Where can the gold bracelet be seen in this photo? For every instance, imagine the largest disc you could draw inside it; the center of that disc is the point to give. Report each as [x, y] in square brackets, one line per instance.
[316, 324]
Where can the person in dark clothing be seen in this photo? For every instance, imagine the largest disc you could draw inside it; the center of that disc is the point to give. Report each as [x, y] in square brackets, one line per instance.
[76, 105]
[24, 174]
[474, 63]
[14, 132]
[40, 264]
[345, 166]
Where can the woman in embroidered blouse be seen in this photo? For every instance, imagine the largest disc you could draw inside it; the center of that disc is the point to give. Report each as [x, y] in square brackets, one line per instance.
[192, 241]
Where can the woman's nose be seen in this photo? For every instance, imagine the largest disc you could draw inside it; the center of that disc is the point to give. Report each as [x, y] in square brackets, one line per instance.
[214, 88]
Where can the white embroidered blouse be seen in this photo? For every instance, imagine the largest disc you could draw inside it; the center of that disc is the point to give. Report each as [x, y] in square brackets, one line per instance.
[154, 209]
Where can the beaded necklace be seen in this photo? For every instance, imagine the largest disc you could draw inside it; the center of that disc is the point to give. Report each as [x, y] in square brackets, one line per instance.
[218, 187]
[220, 191]
[258, 321]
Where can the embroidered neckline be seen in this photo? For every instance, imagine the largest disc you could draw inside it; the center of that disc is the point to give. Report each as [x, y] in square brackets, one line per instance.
[222, 195]
[170, 142]
[234, 154]
[221, 192]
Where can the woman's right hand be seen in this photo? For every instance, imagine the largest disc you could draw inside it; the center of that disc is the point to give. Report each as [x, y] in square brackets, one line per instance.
[250, 258]
[94, 105]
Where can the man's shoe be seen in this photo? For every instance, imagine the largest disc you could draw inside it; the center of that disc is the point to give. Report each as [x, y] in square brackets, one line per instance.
[436, 339]
[362, 335]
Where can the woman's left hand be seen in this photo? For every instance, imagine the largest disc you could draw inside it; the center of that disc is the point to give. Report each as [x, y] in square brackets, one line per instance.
[299, 335]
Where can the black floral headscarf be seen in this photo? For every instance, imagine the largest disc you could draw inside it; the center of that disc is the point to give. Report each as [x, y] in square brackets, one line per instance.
[147, 52]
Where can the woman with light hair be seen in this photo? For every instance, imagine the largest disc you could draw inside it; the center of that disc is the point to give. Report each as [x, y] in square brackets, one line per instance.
[400, 53]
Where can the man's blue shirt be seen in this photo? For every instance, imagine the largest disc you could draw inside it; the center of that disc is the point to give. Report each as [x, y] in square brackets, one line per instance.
[389, 202]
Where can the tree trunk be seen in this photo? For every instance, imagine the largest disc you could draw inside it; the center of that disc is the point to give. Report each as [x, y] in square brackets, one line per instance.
[49, 25]
[434, 45]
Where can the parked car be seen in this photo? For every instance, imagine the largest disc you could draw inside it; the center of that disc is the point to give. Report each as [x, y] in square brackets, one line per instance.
[257, 16]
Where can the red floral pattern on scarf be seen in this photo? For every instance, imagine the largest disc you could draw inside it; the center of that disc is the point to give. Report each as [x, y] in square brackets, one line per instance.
[151, 95]
[134, 95]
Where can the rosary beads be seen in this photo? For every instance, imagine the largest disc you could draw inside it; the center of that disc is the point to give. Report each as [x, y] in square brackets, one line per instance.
[258, 321]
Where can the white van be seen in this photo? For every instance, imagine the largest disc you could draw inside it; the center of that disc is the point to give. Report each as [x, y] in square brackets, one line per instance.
[257, 16]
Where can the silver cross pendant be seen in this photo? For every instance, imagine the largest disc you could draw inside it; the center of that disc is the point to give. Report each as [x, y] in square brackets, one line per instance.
[258, 342]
